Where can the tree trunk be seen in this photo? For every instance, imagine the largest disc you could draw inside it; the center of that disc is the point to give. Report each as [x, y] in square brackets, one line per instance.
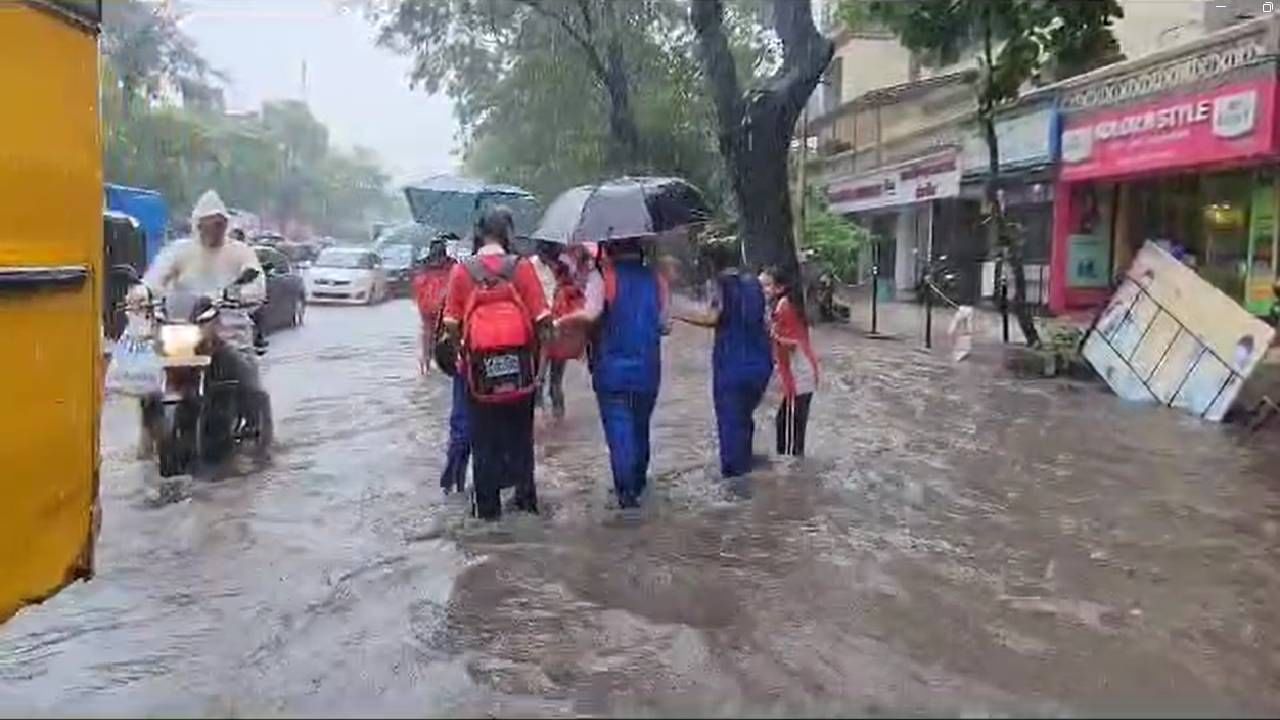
[761, 187]
[1002, 237]
[755, 131]
[622, 119]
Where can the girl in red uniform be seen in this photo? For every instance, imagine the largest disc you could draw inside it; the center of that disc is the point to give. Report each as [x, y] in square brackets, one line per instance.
[793, 357]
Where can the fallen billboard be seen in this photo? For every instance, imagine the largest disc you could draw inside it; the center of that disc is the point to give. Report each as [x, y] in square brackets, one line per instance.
[1169, 337]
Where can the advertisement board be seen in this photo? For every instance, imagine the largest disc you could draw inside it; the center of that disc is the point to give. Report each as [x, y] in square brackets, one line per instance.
[930, 178]
[1225, 123]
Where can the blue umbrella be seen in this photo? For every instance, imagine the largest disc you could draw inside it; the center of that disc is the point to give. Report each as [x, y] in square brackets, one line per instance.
[449, 203]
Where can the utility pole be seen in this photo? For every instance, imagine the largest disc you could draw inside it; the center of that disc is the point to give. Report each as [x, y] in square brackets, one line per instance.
[803, 179]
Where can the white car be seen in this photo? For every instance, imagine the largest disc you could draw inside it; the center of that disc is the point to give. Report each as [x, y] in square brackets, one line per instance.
[346, 274]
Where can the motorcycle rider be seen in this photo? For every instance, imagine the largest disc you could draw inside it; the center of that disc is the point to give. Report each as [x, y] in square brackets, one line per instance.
[207, 265]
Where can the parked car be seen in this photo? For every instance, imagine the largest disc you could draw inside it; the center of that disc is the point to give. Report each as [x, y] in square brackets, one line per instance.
[397, 261]
[286, 304]
[302, 252]
[347, 274]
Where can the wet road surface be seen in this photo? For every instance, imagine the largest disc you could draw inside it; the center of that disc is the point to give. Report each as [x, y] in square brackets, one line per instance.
[957, 544]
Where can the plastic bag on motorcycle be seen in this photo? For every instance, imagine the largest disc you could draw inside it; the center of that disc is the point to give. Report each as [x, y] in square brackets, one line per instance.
[135, 367]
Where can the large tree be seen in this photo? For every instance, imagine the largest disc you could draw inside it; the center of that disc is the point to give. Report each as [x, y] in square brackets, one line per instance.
[148, 53]
[1015, 41]
[541, 131]
[467, 47]
[756, 123]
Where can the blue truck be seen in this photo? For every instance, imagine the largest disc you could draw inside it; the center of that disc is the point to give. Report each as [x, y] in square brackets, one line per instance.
[147, 207]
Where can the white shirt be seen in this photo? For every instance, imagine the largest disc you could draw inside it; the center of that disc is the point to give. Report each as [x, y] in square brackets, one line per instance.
[547, 275]
[189, 266]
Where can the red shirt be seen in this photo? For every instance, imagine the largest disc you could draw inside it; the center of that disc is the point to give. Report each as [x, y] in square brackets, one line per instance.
[525, 279]
[429, 287]
[798, 371]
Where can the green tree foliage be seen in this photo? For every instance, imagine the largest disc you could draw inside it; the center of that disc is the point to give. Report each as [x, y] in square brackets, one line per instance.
[1015, 42]
[147, 54]
[546, 90]
[836, 242]
[277, 163]
[541, 131]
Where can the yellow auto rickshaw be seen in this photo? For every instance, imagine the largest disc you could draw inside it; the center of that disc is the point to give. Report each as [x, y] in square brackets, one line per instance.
[50, 295]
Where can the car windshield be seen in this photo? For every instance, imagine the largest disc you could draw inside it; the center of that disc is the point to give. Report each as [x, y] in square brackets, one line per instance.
[344, 259]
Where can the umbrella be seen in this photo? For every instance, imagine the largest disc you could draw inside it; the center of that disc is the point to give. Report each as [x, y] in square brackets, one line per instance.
[449, 203]
[624, 207]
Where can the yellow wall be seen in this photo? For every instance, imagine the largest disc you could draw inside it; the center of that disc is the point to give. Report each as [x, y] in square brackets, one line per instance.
[868, 63]
[50, 215]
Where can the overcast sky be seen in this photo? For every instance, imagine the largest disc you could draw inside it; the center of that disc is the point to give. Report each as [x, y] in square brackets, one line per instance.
[359, 90]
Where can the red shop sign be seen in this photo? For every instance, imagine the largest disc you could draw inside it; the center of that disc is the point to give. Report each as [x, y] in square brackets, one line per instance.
[1234, 121]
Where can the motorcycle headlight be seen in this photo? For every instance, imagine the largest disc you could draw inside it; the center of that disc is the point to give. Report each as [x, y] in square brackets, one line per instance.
[179, 340]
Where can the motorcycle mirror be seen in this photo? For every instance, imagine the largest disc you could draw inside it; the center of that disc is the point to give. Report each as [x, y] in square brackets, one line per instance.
[128, 272]
[248, 276]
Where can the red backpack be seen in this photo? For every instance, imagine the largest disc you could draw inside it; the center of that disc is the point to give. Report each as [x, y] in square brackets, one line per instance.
[499, 357]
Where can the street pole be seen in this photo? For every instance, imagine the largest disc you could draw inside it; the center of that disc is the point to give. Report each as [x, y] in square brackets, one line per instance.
[803, 176]
[802, 180]
[1003, 286]
[875, 283]
[928, 307]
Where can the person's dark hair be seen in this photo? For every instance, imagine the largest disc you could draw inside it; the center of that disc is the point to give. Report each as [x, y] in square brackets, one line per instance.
[791, 289]
[720, 254]
[549, 248]
[496, 222]
[624, 247]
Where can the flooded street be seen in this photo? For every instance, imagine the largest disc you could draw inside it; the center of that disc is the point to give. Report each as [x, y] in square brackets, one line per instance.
[957, 543]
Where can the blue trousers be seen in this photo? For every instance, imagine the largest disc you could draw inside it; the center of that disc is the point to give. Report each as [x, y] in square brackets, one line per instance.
[625, 416]
[459, 452]
[735, 400]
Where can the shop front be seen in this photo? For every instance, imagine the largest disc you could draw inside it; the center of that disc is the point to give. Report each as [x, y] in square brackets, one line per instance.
[903, 206]
[1179, 149]
[1027, 137]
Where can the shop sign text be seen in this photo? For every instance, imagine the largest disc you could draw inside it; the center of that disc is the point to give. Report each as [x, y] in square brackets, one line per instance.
[937, 177]
[1225, 123]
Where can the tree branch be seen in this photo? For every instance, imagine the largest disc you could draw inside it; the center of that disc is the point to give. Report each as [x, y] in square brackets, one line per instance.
[593, 56]
[805, 52]
[707, 18]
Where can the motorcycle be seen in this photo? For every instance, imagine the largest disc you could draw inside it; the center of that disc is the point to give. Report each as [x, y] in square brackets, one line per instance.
[201, 414]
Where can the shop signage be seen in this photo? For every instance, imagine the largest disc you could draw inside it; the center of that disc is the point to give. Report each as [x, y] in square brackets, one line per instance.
[1024, 141]
[926, 179]
[1228, 122]
[1169, 76]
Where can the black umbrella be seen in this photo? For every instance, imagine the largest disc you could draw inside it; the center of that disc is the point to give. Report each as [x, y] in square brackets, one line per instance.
[624, 207]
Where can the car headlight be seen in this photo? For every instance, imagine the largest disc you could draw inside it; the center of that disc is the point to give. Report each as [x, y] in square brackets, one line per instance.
[179, 340]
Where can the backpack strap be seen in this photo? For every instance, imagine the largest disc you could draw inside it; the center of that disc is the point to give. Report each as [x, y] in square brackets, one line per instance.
[610, 278]
[610, 283]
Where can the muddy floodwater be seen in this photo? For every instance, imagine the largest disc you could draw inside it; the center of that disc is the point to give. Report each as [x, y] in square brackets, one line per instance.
[957, 543]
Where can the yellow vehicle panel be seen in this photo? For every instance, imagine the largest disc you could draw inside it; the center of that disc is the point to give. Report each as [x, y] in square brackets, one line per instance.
[50, 301]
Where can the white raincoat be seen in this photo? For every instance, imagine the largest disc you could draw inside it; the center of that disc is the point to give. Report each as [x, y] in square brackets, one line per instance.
[189, 266]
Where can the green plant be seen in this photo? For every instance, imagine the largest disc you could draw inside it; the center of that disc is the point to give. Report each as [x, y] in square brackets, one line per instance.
[1060, 347]
[836, 242]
